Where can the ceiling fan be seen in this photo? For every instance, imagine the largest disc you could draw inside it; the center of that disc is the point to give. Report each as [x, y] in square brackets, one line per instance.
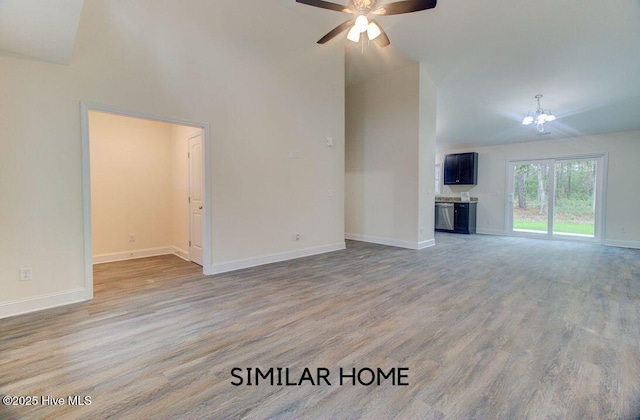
[362, 10]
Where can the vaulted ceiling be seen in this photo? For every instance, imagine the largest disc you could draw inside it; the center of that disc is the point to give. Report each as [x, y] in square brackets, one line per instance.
[488, 59]
[40, 29]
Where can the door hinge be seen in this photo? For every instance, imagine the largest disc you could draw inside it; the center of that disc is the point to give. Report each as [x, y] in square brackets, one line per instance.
[188, 155]
[189, 199]
[189, 243]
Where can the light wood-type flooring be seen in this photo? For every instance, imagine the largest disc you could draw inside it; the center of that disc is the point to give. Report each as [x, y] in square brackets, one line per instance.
[487, 328]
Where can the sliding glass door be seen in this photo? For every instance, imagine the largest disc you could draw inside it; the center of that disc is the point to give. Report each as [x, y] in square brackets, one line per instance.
[559, 198]
[529, 196]
[575, 197]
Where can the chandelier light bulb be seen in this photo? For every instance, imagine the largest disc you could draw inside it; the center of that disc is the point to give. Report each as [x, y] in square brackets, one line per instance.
[354, 34]
[373, 31]
[527, 120]
[362, 23]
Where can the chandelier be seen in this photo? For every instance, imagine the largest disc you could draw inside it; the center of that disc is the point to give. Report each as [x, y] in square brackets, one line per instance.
[539, 117]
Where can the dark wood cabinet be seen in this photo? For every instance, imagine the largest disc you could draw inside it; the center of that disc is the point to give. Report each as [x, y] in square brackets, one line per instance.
[464, 218]
[461, 169]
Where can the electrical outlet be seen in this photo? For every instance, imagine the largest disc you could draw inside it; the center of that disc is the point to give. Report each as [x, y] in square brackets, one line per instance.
[623, 229]
[132, 237]
[26, 274]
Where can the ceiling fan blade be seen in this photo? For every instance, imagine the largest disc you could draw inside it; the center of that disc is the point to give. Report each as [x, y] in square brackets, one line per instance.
[406, 6]
[325, 5]
[381, 40]
[336, 31]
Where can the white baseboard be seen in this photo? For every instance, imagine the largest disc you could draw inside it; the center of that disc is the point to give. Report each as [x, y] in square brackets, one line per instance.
[495, 232]
[133, 254]
[622, 244]
[181, 253]
[23, 306]
[225, 267]
[426, 244]
[389, 241]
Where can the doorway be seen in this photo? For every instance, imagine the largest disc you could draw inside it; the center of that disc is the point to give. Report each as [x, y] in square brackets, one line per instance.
[557, 198]
[197, 130]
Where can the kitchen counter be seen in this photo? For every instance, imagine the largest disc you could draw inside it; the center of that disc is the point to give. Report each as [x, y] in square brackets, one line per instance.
[455, 200]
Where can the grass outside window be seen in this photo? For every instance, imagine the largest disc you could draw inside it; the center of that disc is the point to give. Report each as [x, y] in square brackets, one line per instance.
[558, 227]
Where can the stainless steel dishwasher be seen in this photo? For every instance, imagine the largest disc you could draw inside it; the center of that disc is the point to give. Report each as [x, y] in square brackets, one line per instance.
[444, 216]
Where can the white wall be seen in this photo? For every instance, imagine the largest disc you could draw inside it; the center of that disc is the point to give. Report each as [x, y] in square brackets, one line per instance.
[388, 138]
[263, 91]
[139, 186]
[427, 157]
[622, 201]
[130, 185]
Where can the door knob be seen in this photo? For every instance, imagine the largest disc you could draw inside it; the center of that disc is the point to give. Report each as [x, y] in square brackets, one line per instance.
[200, 208]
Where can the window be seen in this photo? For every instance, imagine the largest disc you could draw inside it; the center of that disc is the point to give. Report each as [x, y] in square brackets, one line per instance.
[438, 189]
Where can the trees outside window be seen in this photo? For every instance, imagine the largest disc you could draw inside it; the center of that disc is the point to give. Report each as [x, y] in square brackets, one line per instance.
[573, 190]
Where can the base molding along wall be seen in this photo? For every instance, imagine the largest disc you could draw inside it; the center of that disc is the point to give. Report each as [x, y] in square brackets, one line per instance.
[494, 232]
[39, 303]
[133, 254]
[622, 244]
[426, 244]
[181, 253]
[225, 267]
[390, 242]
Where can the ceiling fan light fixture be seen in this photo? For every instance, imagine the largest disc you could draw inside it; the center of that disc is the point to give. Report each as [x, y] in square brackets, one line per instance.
[362, 23]
[354, 34]
[373, 31]
[360, 10]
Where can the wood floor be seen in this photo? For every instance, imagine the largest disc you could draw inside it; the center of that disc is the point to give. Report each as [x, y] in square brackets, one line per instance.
[488, 328]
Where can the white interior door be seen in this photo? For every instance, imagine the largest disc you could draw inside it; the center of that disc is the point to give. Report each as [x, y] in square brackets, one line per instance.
[196, 198]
